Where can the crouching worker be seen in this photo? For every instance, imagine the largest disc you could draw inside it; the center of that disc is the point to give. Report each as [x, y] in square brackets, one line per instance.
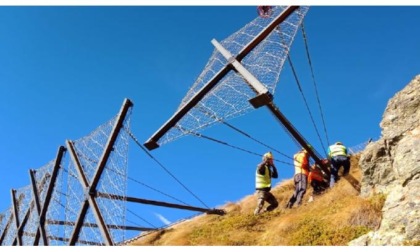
[265, 171]
[317, 181]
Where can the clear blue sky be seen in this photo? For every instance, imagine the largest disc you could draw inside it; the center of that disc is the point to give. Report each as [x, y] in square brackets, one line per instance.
[66, 70]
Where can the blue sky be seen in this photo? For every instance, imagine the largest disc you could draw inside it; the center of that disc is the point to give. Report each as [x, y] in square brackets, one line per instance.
[66, 70]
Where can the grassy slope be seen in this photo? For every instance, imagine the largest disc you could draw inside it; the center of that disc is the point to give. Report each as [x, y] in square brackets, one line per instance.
[334, 218]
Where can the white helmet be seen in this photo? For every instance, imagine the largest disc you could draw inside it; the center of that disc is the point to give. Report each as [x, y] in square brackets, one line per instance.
[267, 156]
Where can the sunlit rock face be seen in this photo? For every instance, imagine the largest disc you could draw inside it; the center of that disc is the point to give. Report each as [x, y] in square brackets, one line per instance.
[391, 166]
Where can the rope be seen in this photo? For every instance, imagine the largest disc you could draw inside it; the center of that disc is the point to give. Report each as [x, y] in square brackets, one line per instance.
[163, 167]
[304, 99]
[212, 115]
[64, 194]
[315, 85]
[143, 184]
[256, 140]
[229, 145]
[151, 188]
[133, 213]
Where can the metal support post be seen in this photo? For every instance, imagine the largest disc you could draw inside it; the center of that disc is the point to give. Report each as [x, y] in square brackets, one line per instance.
[48, 197]
[90, 200]
[257, 87]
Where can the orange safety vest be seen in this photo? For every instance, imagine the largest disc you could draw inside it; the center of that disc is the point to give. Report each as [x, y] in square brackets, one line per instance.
[315, 174]
[301, 163]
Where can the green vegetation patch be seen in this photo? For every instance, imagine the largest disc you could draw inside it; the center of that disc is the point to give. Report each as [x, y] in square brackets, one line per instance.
[235, 230]
[316, 232]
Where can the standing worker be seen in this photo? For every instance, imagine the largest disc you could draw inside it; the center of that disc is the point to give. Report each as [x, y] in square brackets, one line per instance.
[265, 171]
[338, 155]
[301, 162]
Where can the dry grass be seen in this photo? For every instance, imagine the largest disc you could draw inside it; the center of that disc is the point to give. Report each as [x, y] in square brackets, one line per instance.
[334, 218]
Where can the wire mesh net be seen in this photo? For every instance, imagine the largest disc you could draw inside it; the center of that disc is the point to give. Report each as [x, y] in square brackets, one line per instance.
[359, 147]
[230, 97]
[42, 178]
[67, 196]
[112, 182]
[8, 228]
[24, 207]
[55, 211]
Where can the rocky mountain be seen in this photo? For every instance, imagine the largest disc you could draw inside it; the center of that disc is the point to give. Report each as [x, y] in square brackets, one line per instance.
[391, 166]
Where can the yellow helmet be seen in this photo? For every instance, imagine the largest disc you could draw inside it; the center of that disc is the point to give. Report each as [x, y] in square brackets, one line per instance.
[267, 156]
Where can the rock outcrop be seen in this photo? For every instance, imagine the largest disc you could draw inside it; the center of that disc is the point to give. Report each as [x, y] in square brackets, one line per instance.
[391, 166]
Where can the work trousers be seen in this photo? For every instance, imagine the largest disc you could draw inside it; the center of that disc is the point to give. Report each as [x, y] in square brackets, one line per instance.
[301, 181]
[265, 196]
[318, 186]
[336, 163]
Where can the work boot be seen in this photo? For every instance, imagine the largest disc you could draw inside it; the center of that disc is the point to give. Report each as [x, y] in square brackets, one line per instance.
[271, 207]
[257, 211]
[311, 199]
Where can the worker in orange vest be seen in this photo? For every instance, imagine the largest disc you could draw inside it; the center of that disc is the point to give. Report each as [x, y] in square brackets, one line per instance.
[316, 180]
[301, 163]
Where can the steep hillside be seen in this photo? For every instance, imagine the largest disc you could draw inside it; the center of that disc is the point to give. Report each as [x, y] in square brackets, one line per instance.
[376, 204]
[334, 218]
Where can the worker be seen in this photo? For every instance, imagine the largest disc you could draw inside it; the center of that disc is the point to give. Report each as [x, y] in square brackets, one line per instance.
[337, 153]
[301, 163]
[265, 11]
[265, 171]
[316, 179]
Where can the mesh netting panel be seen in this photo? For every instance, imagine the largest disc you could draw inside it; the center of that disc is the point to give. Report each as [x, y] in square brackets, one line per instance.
[113, 180]
[230, 97]
[27, 209]
[68, 194]
[90, 233]
[42, 181]
[55, 211]
[7, 225]
[24, 206]
[89, 149]
[74, 198]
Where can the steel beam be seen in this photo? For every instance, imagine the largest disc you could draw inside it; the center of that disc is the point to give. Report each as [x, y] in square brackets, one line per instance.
[160, 203]
[31, 206]
[16, 214]
[9, 223]
[89, 201]
[299, 138]
[56, 238]
[151, 143]
[71, 223]
[48, 197]
[23, 223]
[36, 200]
[264, 33]
[264, 98]
[91, 188]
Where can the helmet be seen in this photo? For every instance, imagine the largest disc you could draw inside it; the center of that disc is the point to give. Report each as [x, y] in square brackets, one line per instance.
[267, 156]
